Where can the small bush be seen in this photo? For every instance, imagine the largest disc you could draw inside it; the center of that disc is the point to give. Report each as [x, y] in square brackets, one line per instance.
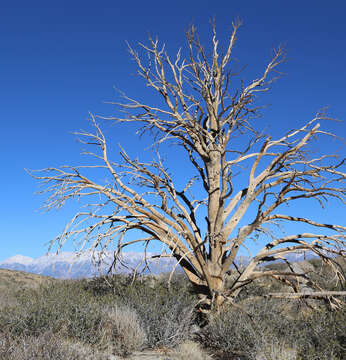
[61, 308]
[121, 330]
[166, 314]
[167, 322]
[43, 347]
[190, 351]
[69, 312]
[230, 332]
[272, 349]
[270, 332]
[322, 335]
[7, 298]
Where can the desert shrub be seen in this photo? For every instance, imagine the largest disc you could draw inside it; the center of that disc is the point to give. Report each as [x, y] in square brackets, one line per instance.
[312, 334]
[166, 321]
[70, 312]
[321, 335]
[113, 328]
[91, 311]
[165, 313]
[7, 298]
[62, 308]
[230, 333]
[267, 330]
[327, 280]
[254, 289]
[104, 285]
[43, 347]
[121, 285]
[278, 266]
[325, 276]
[121, 330]
[273, 349]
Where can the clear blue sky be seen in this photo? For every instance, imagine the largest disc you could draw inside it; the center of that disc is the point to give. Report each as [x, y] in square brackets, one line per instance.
[61, 59]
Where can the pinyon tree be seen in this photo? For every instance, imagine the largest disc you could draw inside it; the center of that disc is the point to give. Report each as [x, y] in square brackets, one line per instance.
[242, 176]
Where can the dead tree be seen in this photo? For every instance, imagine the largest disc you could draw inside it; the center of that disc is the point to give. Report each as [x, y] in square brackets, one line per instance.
[204, 223]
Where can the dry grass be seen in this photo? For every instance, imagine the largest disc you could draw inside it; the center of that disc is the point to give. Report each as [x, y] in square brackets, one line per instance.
[43, 347]
[122, 332]
[190, 351]
[276, 351]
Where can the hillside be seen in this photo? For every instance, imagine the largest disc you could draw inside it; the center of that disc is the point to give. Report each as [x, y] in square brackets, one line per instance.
[13, 281]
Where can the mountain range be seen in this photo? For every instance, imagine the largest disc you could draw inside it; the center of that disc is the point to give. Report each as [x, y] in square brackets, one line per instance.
[69, 265]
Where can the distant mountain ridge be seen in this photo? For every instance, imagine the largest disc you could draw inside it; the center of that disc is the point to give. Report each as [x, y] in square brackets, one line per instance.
[67, 265]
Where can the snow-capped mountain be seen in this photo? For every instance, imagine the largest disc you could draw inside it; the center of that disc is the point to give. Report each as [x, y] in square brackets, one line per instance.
[71, 265]
[19, 259]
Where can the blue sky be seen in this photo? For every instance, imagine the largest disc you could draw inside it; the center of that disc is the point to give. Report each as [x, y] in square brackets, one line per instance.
[61, 59]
